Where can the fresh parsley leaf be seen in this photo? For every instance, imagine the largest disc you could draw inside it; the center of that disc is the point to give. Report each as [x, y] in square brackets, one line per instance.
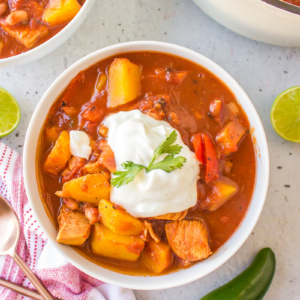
[126, 176]
[165, 147]
[168, 164]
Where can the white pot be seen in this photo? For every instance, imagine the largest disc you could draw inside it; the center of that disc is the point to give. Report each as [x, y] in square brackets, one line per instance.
[256, 19]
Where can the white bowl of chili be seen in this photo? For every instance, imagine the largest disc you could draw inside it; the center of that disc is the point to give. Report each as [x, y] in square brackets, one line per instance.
[268, 21]
[56, 39]
[181, 276]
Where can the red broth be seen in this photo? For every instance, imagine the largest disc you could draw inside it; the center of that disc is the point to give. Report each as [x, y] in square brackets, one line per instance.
[190, 102]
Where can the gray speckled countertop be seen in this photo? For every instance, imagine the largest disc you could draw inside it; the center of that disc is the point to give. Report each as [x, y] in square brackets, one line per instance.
[262, 70]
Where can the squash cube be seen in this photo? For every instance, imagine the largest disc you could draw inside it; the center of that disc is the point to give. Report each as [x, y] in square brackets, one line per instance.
[123, 82]
[157, 257]
[74, 227]
[60, 11]
[88, 188]
[222, 189]
[118, 220]
[59, 155]
[123, 247]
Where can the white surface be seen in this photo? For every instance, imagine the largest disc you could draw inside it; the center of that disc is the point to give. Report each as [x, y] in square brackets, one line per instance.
[185, 275]
[52, 43]
[134, 136]
[262, 70]
[255, 19]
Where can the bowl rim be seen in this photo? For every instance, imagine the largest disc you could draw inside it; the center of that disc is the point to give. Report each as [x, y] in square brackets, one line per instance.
[53, 43]
[183, 276]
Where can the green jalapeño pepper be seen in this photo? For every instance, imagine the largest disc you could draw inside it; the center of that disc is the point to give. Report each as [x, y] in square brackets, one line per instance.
[252, 284]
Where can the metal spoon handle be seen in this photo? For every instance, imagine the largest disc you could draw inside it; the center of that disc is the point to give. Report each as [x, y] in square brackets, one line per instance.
[33, 278]
[21, 290]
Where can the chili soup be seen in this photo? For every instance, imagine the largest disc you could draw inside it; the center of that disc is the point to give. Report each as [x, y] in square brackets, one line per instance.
[166, 134]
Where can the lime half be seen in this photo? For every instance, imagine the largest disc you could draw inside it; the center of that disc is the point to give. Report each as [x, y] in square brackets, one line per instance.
[10, 113]
[285, 114]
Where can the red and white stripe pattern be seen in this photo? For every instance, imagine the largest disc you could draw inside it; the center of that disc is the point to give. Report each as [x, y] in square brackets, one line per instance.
[62, 279]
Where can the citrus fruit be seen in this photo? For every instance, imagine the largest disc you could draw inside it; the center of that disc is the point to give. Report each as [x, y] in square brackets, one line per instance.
[285, 114]
[10, 113]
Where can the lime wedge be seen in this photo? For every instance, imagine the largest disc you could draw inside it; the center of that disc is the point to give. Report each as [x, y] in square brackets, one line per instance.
[285, 114]
[10, 113]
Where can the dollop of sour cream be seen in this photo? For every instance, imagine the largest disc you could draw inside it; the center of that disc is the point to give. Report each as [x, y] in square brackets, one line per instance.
[80, 144]
[133, 136]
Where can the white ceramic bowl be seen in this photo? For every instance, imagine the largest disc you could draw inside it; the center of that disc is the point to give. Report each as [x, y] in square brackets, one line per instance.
[256, 19]
[52, 43]
[182, 276]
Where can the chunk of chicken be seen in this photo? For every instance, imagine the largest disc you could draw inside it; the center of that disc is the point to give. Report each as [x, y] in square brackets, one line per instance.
[148, 228]
[74, 228]
[188, 239]
[24, 34]
[92, 168]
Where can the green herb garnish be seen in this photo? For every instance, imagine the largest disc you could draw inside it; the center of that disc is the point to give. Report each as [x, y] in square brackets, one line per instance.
[168, 164]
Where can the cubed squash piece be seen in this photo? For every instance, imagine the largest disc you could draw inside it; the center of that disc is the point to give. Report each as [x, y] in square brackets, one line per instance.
[219, 192]
[59, 155]
[188, 239]
[123, 82]
[229, 137]
[24, 34]
[118, 220]
[88, 188]
[109, 244]
[157, 257]
[60, 11]
[74, 228]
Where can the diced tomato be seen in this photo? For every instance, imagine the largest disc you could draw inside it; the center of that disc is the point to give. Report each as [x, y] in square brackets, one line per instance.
[91, 127]
[198, 147]
[210, 159]
[92, 114]
[229, 137]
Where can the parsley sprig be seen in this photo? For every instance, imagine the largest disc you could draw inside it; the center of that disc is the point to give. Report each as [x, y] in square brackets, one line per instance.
[168, 164]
